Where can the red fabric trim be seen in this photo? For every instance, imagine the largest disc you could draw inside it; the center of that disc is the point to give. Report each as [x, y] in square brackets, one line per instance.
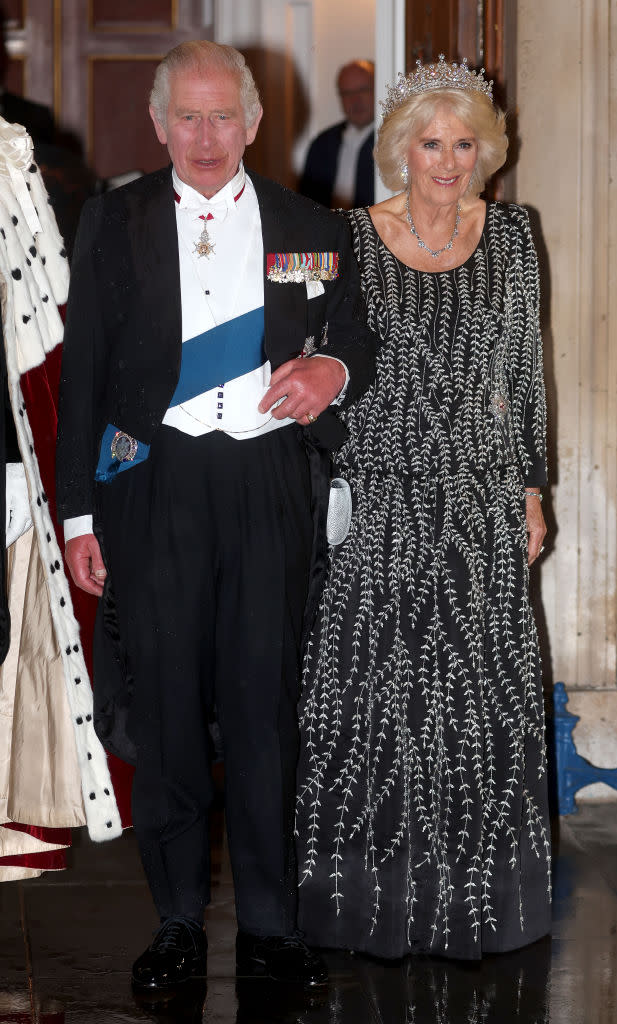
[46, 860]
[61, 836]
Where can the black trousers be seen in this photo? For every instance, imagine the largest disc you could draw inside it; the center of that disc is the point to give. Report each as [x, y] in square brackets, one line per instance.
[208, 548]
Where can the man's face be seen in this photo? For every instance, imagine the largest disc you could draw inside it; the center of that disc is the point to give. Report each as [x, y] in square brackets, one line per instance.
[356, 90]
[205, 132]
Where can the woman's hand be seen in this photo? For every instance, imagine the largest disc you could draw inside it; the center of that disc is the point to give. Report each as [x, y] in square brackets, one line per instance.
[536, 527]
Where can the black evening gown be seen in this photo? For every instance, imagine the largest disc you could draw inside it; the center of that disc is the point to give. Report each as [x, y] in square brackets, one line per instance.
[422, 817]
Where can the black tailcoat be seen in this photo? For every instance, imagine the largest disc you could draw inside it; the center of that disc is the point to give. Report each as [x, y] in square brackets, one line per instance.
[123, 335]
[123, 340]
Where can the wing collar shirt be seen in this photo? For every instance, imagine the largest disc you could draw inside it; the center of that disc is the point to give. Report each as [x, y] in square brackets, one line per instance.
[217, 289]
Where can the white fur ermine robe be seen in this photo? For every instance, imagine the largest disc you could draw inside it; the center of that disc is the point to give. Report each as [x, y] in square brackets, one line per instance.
[53, 769]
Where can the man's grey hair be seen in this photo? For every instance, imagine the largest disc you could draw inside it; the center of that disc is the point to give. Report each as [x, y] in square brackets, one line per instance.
[201, 55]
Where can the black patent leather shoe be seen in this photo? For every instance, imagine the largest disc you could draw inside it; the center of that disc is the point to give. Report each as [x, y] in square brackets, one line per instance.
[179, 951]
[182, 1005]
[283, 958]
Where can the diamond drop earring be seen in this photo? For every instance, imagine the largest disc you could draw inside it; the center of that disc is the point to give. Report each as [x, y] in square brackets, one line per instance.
[405, 173]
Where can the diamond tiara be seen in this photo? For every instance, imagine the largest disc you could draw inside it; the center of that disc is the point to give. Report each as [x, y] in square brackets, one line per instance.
[428, 77]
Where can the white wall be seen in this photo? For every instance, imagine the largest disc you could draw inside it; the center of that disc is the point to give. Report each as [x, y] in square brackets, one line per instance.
[342, 31]
[390, 59]
[319, 36]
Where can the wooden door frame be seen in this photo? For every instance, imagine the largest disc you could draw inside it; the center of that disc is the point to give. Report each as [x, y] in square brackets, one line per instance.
[477, 29]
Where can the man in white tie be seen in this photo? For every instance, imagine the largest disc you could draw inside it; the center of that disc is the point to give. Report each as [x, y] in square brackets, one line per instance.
[192, 482]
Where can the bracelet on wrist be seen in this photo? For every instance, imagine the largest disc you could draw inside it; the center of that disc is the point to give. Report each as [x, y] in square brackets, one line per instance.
[533, 494]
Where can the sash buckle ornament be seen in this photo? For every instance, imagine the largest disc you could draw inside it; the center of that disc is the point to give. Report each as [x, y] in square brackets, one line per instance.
[119, 452]
[123, 447]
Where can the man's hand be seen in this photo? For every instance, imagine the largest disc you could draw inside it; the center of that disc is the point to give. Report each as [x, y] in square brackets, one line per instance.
[83, 557]
[308, 386]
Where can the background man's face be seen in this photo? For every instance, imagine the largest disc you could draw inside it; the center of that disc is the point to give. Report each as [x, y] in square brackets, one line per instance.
[205, 132]
[356, 89]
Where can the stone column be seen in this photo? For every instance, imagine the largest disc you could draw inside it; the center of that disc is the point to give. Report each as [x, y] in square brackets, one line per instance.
[389, 60]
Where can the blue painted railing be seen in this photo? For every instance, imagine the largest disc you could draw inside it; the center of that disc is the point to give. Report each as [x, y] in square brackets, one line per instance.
[573, 771]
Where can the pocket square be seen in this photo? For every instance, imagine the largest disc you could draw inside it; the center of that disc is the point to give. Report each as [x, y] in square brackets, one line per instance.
[314, 288]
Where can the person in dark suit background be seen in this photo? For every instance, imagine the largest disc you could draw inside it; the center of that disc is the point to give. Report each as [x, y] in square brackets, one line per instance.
[183, 394]
[339, 169]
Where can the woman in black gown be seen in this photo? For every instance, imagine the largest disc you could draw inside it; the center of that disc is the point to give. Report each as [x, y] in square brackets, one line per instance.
[422, 815]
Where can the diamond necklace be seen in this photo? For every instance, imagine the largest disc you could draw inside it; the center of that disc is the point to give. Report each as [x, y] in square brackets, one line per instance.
[422, 245]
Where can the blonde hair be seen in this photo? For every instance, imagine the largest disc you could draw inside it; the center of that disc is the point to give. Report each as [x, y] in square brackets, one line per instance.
[201, 55]
[473, 108]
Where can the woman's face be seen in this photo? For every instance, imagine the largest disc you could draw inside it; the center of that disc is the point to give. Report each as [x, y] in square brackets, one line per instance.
[441, 159]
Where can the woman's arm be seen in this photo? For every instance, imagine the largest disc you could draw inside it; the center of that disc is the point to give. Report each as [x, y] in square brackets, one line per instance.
[526, 366]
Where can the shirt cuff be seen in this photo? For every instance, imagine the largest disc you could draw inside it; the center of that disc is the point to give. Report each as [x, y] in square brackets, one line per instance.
[341, 395]
[78, 526]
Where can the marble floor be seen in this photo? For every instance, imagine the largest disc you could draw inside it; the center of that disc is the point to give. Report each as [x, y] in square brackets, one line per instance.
[67, 940]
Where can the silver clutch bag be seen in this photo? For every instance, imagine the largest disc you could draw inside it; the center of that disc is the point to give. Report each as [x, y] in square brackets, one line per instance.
[339, 511]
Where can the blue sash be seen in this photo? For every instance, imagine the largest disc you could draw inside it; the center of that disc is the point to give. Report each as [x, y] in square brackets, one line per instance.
[220, 355]
[212, 358]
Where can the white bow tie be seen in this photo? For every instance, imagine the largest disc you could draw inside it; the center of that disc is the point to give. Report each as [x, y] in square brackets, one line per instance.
[218, 206]
[211, 210]
[205, 208]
